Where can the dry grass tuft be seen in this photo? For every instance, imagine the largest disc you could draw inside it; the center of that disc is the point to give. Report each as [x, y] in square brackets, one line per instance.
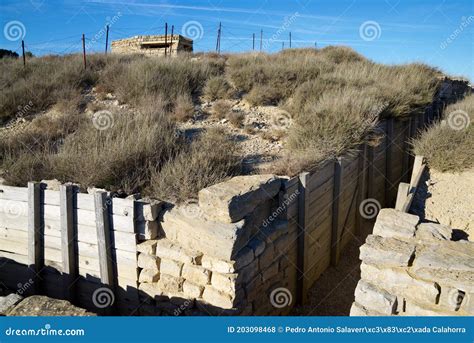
[217, 87]
[183, 108]
[235, 118]
[209, 160]
[449, 145]
[221, 108]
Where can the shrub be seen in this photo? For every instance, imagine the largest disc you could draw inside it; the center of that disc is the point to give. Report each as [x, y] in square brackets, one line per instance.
[235, 118]
[221, 108]
[262, 95]
[183, 108]
[209, 160]
[448, 146]
[217, 87]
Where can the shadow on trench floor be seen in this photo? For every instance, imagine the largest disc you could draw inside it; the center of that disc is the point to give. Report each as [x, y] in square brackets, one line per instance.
[333, 293]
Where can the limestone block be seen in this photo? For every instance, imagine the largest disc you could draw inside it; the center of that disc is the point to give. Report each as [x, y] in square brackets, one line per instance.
[387, 252]
[257, 245]
[414, 309]
[270, 233]
[358, 310]
[373, 298]
[147, 247]
[172, 251]
[149, 275]
[219, 240]
[267, 257]
[170, 283]
[148, 261]
[393, 223]
[244, 258]
[433, 232]
[248, 273]
[150, 208]
[8, 302]
[253, 288]
[224, 282]
[398, 282]
[171, 267]
[216, 265]
[149, 290]
[450, 263]
[232, 200]
[196, 274]
[147, 229]
[192, 290]
[215, 297]
[43, 306]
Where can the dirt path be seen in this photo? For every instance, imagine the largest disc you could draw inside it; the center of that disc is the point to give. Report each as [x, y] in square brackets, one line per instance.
[333, 293]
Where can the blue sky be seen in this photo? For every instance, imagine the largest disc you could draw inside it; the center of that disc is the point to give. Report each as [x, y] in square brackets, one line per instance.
[436, 32]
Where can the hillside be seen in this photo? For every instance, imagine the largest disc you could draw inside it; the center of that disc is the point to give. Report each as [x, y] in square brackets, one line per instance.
[166, 126]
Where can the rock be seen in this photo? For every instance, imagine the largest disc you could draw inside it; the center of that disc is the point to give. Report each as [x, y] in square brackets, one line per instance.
[8, 302]
[147, 230]
[196, 274]
[214, 297]
[358, 310]
[375, 299]
[224, 282]
[192, 290]
[169, 250]
[219, 240]
[412, 309]
[232, 200]
[399, 283]
[451, 263]
[39, 305]
[387, 252]
[150, 208]
[433, 232]
[149, 275]
[149, 290]
[171, 267]
[257, 245]
[216, 265]
[393, 223]
[148, 261]
[244, 258]
[170, 283]
[147, 247]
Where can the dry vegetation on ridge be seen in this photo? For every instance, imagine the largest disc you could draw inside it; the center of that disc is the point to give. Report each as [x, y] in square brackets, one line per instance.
[331, 97]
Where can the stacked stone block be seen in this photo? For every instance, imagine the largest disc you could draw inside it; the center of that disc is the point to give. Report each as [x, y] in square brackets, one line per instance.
[220, 255]
[414, 269]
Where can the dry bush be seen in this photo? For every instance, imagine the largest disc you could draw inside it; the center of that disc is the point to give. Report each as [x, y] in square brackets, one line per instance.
[217, 87]
[235, 118]
[221, 108]
[339, 121]
[43, 83]
[183, 108]
[449, 145]
[168, 78]
[119, 156]
[263, 95]
[274, 135]
[209, 160]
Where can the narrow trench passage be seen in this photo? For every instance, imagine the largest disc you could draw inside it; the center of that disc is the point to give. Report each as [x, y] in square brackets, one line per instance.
[333, 293]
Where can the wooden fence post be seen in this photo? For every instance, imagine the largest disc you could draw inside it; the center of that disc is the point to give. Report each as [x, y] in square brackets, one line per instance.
[362, 187]
[35, 234]
[388, 163]
[303, 206]
[103, 238]
[335, 244]
[68, 241]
